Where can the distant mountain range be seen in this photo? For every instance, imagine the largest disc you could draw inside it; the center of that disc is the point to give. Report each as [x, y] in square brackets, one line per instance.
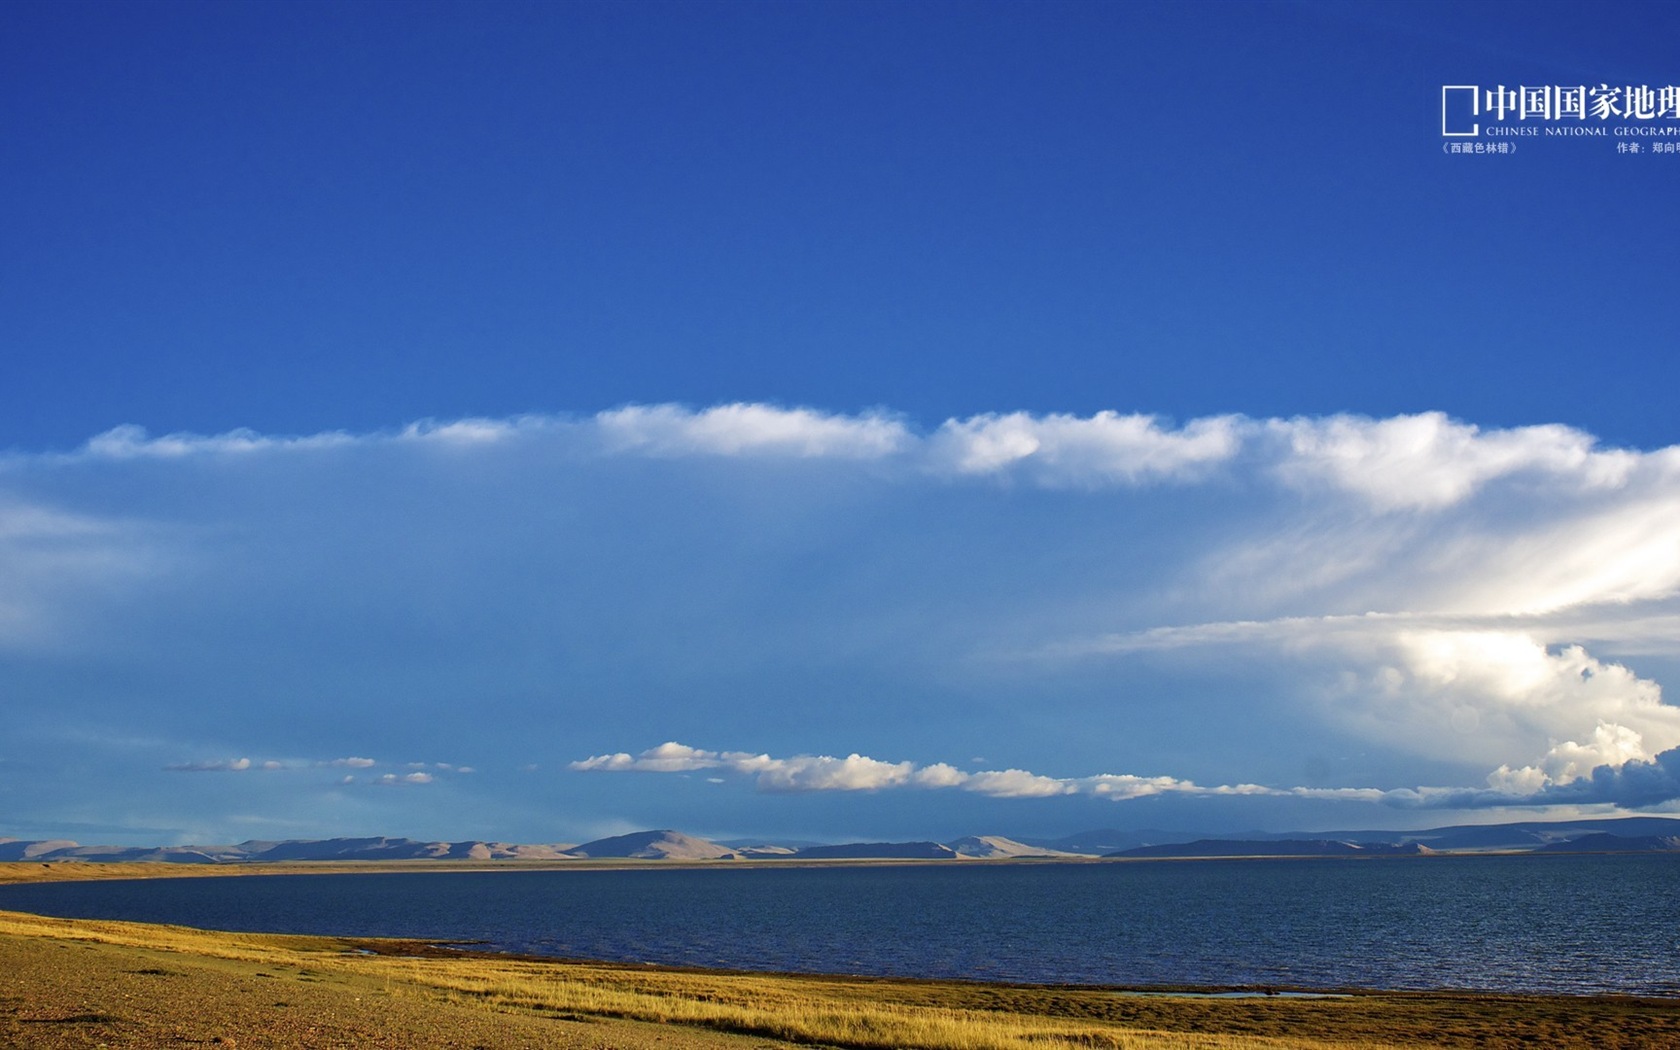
[1612, 835]
[1521, 837]
[879, 851]
[1275, 848]
[258, 851]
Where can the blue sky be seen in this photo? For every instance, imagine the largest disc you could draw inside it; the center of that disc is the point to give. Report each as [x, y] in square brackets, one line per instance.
[828, 420]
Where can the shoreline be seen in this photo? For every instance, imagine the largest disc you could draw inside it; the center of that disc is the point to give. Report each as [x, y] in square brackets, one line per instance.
[35, 872]
[74, 982]
[134, 984]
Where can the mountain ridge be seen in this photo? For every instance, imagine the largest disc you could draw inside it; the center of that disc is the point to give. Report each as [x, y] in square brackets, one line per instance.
[1606, 834]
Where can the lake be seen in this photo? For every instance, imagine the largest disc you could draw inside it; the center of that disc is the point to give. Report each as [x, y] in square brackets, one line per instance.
[1562, 924]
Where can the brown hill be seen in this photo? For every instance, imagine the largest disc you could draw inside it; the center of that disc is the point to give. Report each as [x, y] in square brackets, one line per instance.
[653, 845]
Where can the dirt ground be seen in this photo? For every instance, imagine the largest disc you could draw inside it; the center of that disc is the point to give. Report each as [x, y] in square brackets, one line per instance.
[59, 994]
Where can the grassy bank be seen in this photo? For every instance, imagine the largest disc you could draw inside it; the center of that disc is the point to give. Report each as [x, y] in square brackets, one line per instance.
[494, 1001]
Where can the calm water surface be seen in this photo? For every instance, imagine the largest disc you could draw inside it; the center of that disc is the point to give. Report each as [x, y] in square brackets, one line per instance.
[1577, 924]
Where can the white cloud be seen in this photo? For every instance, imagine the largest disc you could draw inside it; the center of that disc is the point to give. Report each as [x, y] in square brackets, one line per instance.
[669, 757]
[1014, 783]
[613, 763]
[469, 432]
[1612, 770]
[859, 773]
[1610, 748]
[234, 765]
[133, 442]
[1427, 461]
[1423, 462]
[1610, 745]
[1504, 698]
[823, 773]
[749, 429]
[1121, 786]
[1619, 551]
[939, 775]
[1518, 698]
[1106, 448]
[398, 780]
[803, 773]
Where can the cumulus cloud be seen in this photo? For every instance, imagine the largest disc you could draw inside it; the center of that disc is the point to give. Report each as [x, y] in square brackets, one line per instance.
[1633, 784]
[1485, 696]
[1633, 781]
[400, 780]
[1105, 448]
[1630, 784]
[234, 765]
[1425, 462]
[802, 773]
[749, 429]
[419, 772]
[670, 757]
[1428, 461]
[1543, 712]
[1010, 783]
[823, 773]
[133, 442]
[859, 773]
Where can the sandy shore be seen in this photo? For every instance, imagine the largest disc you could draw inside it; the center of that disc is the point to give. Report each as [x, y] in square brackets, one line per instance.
[84, 983]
